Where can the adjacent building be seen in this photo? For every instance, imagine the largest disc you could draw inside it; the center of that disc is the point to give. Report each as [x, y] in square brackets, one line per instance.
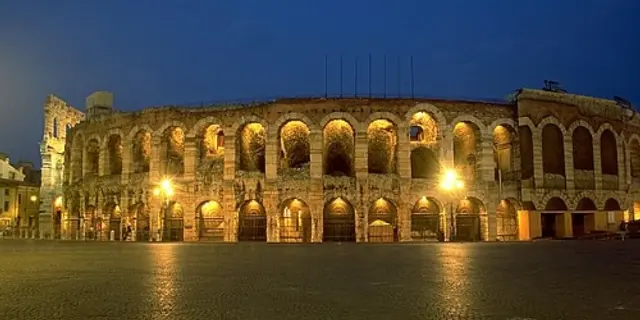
[19, 199]
[545, 163]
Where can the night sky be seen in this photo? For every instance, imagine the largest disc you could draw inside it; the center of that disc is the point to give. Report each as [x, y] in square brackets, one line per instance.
[173, 52]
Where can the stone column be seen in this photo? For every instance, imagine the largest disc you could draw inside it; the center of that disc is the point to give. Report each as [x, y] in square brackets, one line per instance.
[563, 224]
[487, 163]
[597, 164]
[622, 177]
[446, 151]
[492, 223]
[271, 156]
[538, 169]
[403, 152]
[229, 156]
[155, 163]
[230, 212]
[316, 206]
[568, 162]
[190, 158]
[126, 161]
[316, 145]
[404, 222]
[361, 155]
[103, 160]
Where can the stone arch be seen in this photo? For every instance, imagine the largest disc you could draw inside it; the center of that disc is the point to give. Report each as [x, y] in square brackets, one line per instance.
[141, 212]
[159, 133]
[339, 220]
[92, 151]
[140, 150]
[608, 152]
[555, 204]
[542, 201]
[504, 139]
[552, 137]
[339, 138]
[507, 219]
[114, 147]
[582, 140]
[295, 221]
[296, 116]
[501, 122]
[580, 123]
[202, 124]
[634, 157]
[355, 124]
[425, 220]
[251, 140]
[382, 146]
[382, 221]
[467, 146]
[467, 220]
[172, 146]
[433, 111]
[482, 128]
[210, 221]
[612, 204]
[294, 145]
[137, 128]
[244, 120]
[470, 205]
[77, 156]
[252, 221]
[586, 204]
[173, 222]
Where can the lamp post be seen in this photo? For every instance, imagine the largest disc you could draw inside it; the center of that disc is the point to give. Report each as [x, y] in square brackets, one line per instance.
[164, 192]
[451, 184]
[30, 233]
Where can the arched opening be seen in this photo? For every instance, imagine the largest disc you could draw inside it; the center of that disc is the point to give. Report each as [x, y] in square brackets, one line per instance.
[467, 220]
[465, 146]
[114, 150]
[609, 153]
[526, 152]
[211, 151]
[251, 147]
[295, 221]
[173, 229]
[552, 218]
[55, 127]
[211, 223]
[583, 158]
[115, 220]
[553, 164]
[503, 153]
[93, 157]
[173, 151]
[141, 152]
[77, 158]
[583, 218]
[339, 221]
[294, 147]
[142, 223]
[383, 225]
[423, 129]
[89, 222]
[382, 144]
[425, 220]
[634, 155]
[339, 148]
[252, 222]
[612, 205]
[507, 220]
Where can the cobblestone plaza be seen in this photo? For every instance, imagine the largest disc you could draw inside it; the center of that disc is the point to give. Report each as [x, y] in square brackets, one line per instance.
[115, 280]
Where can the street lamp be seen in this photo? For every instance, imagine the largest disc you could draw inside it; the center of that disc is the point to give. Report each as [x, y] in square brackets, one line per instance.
[451, 184]
[164, 192]
[33, 200]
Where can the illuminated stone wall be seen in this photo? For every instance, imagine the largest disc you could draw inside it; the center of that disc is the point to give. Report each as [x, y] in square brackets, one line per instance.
[384, 154]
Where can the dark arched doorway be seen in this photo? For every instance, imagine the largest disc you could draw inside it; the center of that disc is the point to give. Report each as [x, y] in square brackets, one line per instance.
[339, 221]
[467, 227]
[252, 224]
[553, 211]
[425, 221]
[210, 221]
[295, 221]
[173, 223]
[583, 219]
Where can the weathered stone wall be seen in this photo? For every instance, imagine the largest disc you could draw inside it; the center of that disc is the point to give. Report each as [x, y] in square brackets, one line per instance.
[320, 151]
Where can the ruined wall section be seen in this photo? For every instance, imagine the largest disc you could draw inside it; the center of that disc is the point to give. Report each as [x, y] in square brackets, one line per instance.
[59, 118]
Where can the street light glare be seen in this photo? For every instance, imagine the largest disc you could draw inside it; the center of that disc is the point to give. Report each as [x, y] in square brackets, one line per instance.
[450, 180]
[166, 185]
[33, 198]
[156, 192]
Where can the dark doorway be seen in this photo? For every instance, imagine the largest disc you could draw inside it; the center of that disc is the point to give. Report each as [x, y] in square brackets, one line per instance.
[142, 229]
[425, 227]
[57, 225]
[253, 228]
[114, 225]
[548, 221]
[173, 230]
[339, 229]
[578, 224]
[467, 227]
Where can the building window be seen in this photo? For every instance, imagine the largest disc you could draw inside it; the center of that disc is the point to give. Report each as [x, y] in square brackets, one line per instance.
[6, 192]
[12, 175]
[19, 199]
[6, 206]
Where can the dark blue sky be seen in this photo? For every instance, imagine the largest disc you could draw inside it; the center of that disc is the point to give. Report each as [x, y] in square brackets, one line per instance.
[165, 52]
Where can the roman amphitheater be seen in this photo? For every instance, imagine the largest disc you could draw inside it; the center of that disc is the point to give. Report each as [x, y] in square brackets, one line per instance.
[545, 164]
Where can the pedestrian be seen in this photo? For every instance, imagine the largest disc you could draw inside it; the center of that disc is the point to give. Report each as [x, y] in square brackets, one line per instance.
[623, 230]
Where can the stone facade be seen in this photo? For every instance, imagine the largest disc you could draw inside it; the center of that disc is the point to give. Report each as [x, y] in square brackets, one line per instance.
[365, 170]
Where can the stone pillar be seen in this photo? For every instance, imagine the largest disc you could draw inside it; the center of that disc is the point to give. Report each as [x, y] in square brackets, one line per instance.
[230, 212]
[271, 156]
[190, 158]
[404, 222]
[190, 220]
[361, 155]
[316, 206]
[446, 151]
[316, 145]
[487, 163]
[563, 225]
[538, 169]
[403, 152]
[568, 162]
[155, 163]
[229, 156]
[362, 223]
[597, 164]
[103, 159]
[622, 177]
[271, 208]
[492, 223]
[445, 222]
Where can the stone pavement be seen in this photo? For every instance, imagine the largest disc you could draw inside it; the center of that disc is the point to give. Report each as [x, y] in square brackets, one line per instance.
[542, 280]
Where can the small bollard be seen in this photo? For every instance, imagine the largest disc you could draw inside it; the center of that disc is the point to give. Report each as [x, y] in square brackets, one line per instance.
[112, 235]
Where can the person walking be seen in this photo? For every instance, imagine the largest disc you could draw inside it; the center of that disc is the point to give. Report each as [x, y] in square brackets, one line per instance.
[623, 230]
